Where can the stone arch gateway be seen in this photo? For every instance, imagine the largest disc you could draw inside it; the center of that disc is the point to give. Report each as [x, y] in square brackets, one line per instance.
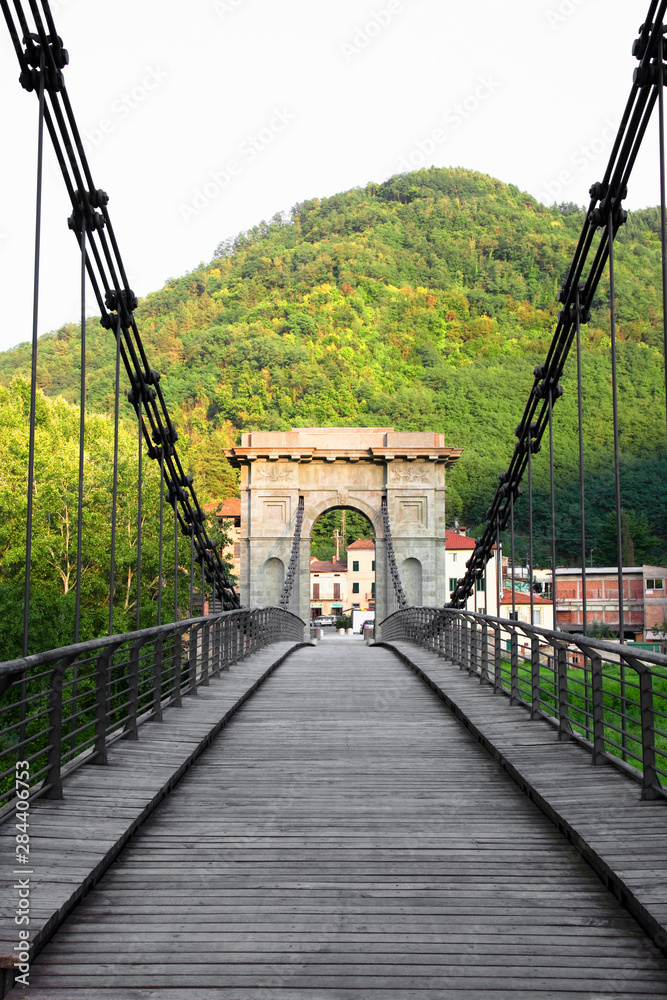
[347, 467]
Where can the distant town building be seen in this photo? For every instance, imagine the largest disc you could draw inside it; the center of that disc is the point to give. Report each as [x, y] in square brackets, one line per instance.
[361, 574]
[228, 512]
[459, 549]
[328, 587]
[644, 600]
[519, 609]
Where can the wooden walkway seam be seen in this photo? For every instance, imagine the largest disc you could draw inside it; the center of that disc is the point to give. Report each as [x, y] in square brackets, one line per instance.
[598, 809]
[75, 840]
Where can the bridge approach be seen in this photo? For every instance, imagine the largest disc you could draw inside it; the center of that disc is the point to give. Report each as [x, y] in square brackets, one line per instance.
[347, 834]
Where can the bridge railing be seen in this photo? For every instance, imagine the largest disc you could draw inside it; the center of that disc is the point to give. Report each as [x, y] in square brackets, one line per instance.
[62, 708]
[609, 697]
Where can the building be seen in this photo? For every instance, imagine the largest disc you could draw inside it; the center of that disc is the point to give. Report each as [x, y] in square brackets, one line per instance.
[228, 512]
[361, 574]
[328, 587]
[459, 549]
[521, 574]
[519, 609]
[644, 600]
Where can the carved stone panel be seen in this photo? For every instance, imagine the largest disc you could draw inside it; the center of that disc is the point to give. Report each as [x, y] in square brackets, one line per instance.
[275, 475]
[410, 475]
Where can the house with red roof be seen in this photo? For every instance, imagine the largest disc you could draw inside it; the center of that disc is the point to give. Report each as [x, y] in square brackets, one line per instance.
[228, 512]
[361, 574]
[459, 548]
[328, 587]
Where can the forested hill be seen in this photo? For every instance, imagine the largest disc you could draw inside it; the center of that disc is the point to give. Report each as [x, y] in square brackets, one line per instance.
[424, 303]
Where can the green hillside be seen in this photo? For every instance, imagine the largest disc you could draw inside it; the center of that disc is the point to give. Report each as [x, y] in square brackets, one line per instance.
[423, 302]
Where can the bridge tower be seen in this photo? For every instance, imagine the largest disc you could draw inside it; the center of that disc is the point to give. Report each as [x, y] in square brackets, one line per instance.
[355, 468]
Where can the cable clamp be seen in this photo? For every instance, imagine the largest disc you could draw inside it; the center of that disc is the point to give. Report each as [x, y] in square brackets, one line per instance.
[123, 303]
[39, 62]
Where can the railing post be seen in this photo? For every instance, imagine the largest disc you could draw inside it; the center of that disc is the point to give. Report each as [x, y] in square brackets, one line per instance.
[178, 666]
[157, 679]
[205, 649]
[53, 776]
[564, 725]
[514, 666]
[101, 676]
[535, 677]
[599, 756]
[465, 646]
[472, 661]
[214, 666]
[130, 731]
[497, 660]
[192, 660]
[484, 672]
[651, 786]
[449, 638]
[227, 633]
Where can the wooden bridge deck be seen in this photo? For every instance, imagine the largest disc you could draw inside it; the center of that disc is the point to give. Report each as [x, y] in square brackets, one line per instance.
[345, 836]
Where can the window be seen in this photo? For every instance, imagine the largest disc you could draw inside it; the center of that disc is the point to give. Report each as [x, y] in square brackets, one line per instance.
[452, 584]
[654, 584]
[373, 566]
[537, 616]
[237, 550]
[513, 617]
[481, 584]
[316, 574]
[355, 566]
[454, 556]
[373, 589]
[336, 592]
[355, 588]
[316, 591]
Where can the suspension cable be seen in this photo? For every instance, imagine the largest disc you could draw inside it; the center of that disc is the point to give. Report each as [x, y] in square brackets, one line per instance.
[42, 59]
[605, 213]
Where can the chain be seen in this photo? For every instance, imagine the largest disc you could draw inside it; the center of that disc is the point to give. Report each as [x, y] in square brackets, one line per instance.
[391, 559]
[293, 567]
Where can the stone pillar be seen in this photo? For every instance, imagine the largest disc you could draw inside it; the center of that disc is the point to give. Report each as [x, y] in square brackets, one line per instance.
[342, 467]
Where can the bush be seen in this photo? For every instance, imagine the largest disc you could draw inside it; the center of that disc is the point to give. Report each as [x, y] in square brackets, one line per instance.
[343, 623]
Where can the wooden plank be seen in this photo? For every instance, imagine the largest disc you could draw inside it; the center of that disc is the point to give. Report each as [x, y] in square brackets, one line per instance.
[347, 837]
[124, 794]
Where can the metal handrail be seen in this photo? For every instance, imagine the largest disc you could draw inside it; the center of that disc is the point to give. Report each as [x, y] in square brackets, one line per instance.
[65, 706]
[610, 697]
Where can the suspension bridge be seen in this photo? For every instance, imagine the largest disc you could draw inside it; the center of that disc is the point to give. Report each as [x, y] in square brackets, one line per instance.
[458, 805]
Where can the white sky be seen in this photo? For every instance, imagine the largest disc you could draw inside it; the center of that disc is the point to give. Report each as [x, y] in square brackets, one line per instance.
[331, 95]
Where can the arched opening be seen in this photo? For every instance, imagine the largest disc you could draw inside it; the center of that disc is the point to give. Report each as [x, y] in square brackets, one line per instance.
[411, 577]
[342, 566]
[273, 578]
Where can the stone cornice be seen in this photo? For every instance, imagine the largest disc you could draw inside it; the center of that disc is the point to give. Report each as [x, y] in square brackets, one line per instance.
[239, 456]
